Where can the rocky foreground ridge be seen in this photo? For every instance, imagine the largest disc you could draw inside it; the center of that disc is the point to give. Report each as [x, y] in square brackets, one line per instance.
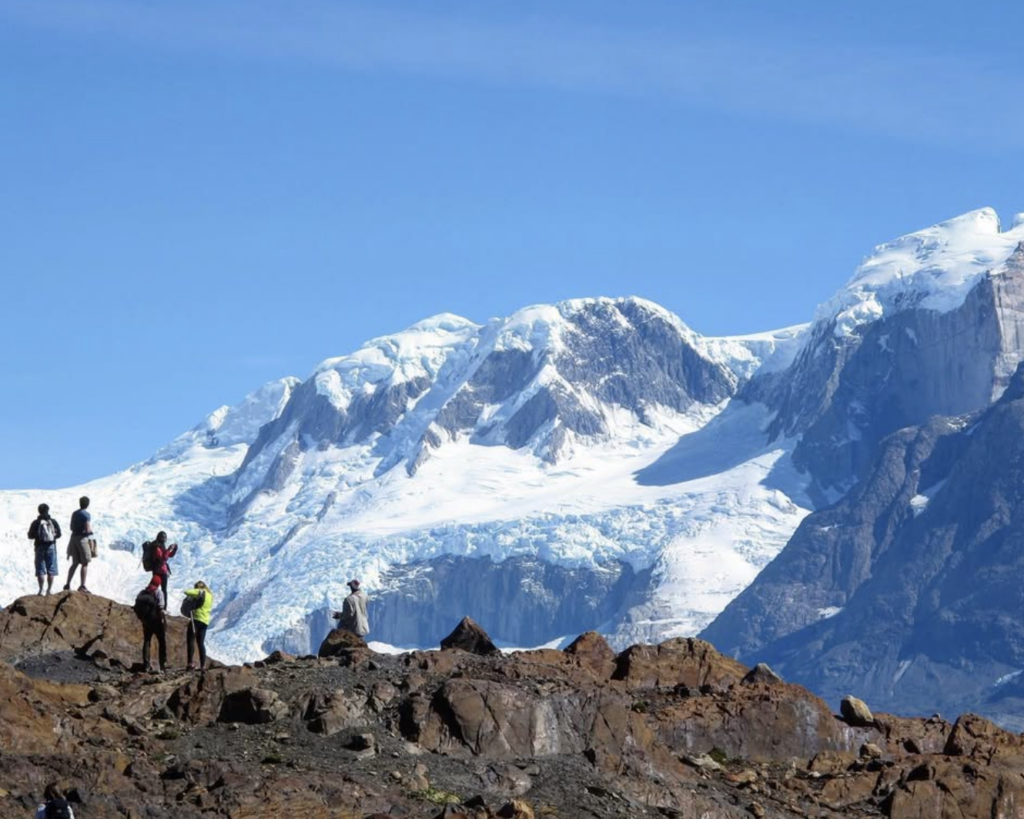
[673, 730]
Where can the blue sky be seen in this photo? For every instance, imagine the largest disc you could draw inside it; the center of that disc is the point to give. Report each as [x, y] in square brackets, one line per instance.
[197, 198]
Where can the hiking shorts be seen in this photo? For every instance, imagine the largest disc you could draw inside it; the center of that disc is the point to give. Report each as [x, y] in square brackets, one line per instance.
[46, 560]
[78, 550]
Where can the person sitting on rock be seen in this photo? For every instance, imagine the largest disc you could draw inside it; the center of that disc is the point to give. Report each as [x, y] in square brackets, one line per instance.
[149, 608]
[352, 616]
[162, 553]
[44, 532]
[198, 605]
[55, 804]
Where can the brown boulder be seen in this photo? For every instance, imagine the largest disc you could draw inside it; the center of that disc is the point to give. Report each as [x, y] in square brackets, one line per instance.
[327, 714]
[340, 642]
[469, 636]
[592, 652]
[683, 661]
[856, 712]
[252, 706]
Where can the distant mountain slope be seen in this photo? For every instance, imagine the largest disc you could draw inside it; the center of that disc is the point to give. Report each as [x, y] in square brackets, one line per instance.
[909, 590]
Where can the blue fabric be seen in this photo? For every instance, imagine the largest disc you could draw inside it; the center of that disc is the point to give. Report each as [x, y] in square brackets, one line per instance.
[46, 560]
[79, 519]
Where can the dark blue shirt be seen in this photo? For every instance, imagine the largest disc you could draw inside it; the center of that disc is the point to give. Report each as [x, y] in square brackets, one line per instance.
[79, 520]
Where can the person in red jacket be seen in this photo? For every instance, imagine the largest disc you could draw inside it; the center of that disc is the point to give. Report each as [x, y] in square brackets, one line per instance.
[162, 553]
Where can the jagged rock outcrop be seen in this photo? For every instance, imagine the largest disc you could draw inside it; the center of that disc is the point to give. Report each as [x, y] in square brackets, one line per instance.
[91, 627]
[654, 731]
[340, 641]
[469, 636]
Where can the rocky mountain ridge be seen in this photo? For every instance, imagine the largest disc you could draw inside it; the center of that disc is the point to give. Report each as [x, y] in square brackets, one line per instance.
[673, 730]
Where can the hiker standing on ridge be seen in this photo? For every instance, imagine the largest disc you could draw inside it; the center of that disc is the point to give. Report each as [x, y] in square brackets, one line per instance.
[352, 616]
[197, 607]
[81, 544]
[149, 608]
[44, 531]
[162, 553]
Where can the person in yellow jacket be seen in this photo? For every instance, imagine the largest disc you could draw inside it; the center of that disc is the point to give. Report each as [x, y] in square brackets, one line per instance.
[198, 605]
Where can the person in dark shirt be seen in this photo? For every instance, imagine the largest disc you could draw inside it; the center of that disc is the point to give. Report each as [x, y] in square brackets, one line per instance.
[149, 608]
[44, 532]
[80, 544]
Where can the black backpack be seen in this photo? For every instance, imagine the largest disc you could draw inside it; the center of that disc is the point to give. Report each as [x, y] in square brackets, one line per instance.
[192, 603]
[146, 606]
[148, 561]
[58, 809]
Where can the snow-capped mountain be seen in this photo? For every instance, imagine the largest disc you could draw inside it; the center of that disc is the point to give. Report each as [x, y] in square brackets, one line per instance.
[590, 464]
[544, 451]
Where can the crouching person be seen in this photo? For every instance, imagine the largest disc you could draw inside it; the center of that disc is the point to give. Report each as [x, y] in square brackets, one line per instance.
[149, 608]
[197, 606]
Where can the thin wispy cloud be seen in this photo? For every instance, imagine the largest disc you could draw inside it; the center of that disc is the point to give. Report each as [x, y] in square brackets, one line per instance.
[905, 93]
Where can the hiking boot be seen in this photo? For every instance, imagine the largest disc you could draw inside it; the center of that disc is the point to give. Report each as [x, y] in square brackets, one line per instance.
[190, 667]
[84, 589]
[67, 587]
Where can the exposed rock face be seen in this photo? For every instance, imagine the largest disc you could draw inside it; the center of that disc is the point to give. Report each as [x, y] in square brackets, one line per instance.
[845, 394]
[592, 652]
[604, 354]
[655, 731]
[683, 661]
[468, 636]
[919, 570]
[834, 551]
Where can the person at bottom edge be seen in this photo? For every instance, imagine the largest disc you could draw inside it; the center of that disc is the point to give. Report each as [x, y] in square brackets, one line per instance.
[149, 608]
[55, 804]
[353, 616]
[197, 607]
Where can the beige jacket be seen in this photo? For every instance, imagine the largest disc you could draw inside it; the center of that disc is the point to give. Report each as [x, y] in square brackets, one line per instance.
[353, 614]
